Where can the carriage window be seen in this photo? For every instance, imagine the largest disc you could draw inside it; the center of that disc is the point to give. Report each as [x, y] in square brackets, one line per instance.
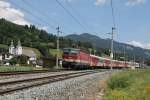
[70, 51]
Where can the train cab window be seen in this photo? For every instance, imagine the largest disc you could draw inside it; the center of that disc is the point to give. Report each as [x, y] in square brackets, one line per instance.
[71, 51]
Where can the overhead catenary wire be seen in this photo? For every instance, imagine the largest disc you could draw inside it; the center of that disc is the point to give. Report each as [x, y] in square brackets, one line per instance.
[40, 12]
[27, 18]
[69, 13]
[37, 17]
[81, 18]
[78, 14]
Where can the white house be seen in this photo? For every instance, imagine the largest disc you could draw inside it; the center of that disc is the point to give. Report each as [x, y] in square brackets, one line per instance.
[5, 56]
[12, 48]
[8, 56]
[1, 57]
[17, 50]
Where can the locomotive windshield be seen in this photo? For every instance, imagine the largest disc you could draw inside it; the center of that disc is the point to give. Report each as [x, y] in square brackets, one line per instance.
[71, 51]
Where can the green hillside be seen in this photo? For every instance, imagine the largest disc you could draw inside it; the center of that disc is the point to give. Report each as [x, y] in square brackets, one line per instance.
[31, 36]
[53, 52]
[36, 51]
[119, 48]
[3, 46]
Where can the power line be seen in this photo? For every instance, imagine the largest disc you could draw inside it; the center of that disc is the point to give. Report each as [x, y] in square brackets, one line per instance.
[81, 18]
[75, 19]
[77, 13]
[40, 12]
[20, 15]
[43, 21]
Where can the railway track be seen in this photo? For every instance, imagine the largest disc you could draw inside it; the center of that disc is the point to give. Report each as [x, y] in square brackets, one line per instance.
[12, 86]
[29, 72]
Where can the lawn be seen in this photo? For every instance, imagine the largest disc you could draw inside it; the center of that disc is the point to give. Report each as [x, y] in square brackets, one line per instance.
[53, 52]
[129, 85]
[36, 51]
[3, 46]
[17, 68]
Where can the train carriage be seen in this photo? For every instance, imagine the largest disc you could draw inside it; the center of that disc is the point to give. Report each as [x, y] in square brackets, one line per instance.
[78, 59]
[96, 61]
[106, 63]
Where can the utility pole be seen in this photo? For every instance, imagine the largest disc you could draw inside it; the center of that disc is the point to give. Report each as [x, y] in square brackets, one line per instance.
[57, 58]
[112, 48]
[143, 62]
[134, 59]
[94, 52]
[124, 51]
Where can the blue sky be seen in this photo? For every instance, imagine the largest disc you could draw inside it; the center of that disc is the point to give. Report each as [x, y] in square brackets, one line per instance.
[132, 17]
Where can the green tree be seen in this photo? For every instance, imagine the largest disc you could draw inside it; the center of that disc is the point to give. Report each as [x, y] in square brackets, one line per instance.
[13, 61]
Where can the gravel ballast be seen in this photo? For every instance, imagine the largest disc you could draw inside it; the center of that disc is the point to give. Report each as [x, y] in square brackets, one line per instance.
[80, 88]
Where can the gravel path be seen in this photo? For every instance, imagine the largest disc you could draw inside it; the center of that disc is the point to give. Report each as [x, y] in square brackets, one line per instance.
[80, 88]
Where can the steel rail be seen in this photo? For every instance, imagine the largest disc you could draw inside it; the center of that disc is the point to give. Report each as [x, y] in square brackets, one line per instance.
[43, 80]
[28, 72]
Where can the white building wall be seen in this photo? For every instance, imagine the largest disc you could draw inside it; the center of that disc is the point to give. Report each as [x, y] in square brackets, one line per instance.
[11, 50]
[1, 57]
[19, 50]
[8, 57]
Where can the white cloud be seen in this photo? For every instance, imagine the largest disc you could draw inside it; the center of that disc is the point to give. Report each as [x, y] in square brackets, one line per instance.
[135, 2]
[99, 2]
[140, 44]
[12, 14]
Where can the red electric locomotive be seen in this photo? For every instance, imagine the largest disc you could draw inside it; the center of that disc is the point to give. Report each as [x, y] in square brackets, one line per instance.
[78, 59]
[75, 58]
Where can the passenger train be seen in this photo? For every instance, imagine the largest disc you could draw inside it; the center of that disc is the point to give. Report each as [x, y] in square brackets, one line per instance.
[77, 59]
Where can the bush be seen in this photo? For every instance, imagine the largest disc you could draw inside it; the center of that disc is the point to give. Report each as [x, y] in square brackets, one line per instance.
[22, 59]
[13, 61]
[19, 60]
[129, 85]
[121, 81]
[49, 62]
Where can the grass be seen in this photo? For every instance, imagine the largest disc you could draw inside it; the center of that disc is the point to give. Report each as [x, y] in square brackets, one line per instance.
[53, 52]
[36, 51]
[129, 85]
[17, 68]
[3, 46]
